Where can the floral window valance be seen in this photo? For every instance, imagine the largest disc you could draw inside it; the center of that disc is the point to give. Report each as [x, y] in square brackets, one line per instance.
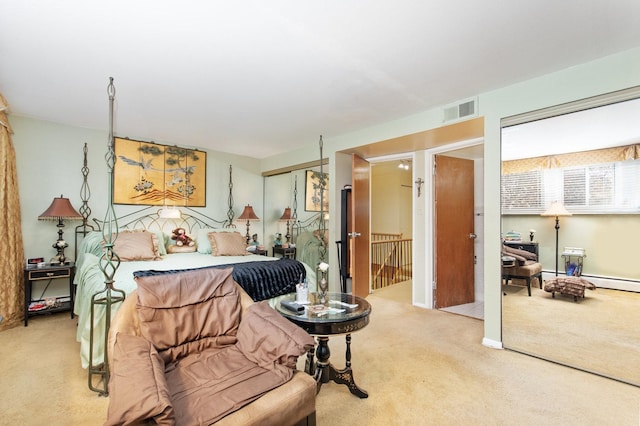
[606, 155]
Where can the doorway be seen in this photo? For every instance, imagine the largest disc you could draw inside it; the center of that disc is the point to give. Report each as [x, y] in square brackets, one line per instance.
[422, 146]
[392, 226]
[468, 151]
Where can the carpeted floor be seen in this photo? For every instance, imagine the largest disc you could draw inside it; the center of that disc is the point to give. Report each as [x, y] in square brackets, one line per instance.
[419, 367]
[588, 334]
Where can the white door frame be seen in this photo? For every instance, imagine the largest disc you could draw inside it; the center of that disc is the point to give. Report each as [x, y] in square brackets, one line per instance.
[427, 206]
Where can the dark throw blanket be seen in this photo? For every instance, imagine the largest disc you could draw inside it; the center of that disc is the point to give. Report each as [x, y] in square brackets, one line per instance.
[261, 280]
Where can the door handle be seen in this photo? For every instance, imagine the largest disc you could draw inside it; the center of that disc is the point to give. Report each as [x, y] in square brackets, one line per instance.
[472, 236]
[355, 234]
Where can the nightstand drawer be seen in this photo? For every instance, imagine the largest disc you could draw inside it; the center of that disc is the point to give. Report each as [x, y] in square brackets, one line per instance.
[45, 275]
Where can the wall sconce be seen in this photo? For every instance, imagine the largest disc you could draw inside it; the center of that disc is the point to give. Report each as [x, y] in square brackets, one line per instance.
[286, 217]
[169, 213]
[248, 214]
[404, 165]
[419, 184]
[60, 209]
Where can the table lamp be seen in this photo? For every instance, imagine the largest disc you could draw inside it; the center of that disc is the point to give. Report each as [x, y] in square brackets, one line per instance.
[248, 214]
[286, 217]
[556, 209]
[60, 209]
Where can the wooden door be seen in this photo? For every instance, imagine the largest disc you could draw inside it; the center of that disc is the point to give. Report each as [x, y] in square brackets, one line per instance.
[360, 233]
[454, 261]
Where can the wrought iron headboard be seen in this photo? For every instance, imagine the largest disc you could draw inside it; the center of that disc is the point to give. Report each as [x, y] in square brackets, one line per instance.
[151, 221]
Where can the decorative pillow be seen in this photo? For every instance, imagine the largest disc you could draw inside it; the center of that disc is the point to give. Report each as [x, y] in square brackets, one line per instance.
[228, 244]
[202, 240]
[136, 245]
[161, 242]
[174, 248]
[518, 252]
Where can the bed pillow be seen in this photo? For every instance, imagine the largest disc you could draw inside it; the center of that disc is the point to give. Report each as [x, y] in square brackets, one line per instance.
[174, 248]
[202, 239]
[136, 245]
[228, 244]
[161, 242]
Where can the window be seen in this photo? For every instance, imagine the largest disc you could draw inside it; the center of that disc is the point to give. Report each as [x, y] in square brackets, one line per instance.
[590, 189]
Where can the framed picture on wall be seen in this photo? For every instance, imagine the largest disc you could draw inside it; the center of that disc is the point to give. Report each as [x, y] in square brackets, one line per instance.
[151, 174]
[314, 187]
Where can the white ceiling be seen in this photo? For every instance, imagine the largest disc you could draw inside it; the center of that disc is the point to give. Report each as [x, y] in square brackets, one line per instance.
[603, 127]
[260, 78]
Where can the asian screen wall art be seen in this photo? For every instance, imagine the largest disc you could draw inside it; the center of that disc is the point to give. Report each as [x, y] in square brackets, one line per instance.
[148, 173]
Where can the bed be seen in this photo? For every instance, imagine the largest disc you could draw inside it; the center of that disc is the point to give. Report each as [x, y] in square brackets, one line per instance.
[144, 246]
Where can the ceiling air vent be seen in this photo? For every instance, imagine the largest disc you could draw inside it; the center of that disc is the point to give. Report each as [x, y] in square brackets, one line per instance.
[461, 110]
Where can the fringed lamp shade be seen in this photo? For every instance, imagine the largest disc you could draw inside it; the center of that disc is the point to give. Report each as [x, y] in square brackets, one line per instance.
[60, 209]
[248, 214]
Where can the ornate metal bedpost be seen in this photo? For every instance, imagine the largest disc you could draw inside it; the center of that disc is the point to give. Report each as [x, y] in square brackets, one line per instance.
[85, 210]
[323, 284]
[230, 214]
[109, 263]
[294, 215]
[322, 228]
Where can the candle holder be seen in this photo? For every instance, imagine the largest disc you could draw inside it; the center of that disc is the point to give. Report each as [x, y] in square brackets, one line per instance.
[323, 286]
[323, 283]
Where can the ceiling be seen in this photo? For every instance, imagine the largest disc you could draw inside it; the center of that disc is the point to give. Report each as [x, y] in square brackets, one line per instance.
[617, 124]
[260, 78]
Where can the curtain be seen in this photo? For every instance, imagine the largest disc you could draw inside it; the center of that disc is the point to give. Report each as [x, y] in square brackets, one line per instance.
[12, 260]
[606, 155]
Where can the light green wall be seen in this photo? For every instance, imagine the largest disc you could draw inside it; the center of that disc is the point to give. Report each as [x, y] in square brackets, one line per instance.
[609, 241]
[49, 160]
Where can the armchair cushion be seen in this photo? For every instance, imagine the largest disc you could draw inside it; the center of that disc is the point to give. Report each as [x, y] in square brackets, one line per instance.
[185, 312]
[266, 338]
[149, 398]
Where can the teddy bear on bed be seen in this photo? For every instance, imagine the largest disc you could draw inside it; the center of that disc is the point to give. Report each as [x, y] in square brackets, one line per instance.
[181, 238]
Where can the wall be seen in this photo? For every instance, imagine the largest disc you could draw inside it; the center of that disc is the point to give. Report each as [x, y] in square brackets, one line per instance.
[609, 240]
[49, 160]
[605, 75]
[391, 204]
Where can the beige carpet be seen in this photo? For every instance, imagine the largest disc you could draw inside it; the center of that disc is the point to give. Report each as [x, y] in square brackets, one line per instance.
[419, 367]
[600, 332]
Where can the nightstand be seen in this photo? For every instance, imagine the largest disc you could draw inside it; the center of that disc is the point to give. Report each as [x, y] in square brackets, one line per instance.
[289, 252]
[48, 272]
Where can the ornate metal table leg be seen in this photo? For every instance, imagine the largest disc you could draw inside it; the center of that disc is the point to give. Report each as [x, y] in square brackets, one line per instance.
[326, 371]
[345, 376]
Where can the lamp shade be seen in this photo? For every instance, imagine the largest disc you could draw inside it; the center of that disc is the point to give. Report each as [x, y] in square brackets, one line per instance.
[556, 209]
[286, 215]
[60, 209]
[248, 214]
